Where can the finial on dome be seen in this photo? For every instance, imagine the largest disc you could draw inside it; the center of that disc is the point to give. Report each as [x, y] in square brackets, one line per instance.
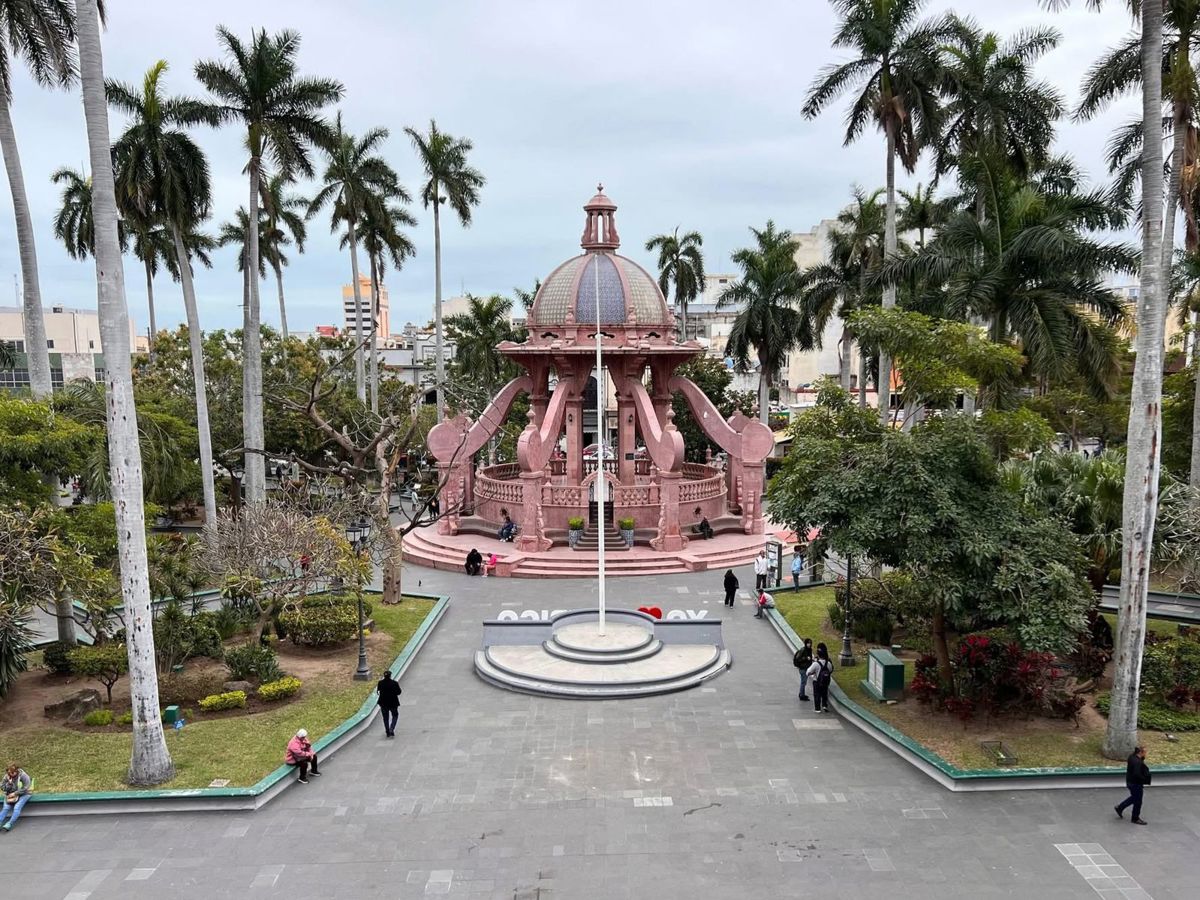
[600, 229]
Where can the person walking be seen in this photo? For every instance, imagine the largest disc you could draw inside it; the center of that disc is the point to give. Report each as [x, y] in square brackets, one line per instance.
[802, 660]
[797, 568]
[17, 787]
[301, 755]
[731, 586]
[760, 571]
[389, 702]
[821, 673]
[1137, 779]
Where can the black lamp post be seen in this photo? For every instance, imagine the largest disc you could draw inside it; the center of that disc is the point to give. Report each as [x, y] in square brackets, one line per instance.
[846, 657]
[357, 534]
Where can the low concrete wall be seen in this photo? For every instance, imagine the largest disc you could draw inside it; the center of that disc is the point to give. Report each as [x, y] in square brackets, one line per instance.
[690, 631]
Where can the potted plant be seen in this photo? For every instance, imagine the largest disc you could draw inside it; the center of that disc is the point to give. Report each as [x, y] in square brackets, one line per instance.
[574, 531]
[626, 526]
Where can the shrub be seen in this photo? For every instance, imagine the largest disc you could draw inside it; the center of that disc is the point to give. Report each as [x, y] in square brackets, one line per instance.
[105, 663]
[279, 689]
[188, 687]
[252, 662]
[16, 643]
[575, 523]
[318, 626]
[870, 624]
[1154, 716]
[227, 620]
[206, 638]
[125, 718]
[228, 700]
[325, 601]
[626, 524]
[57, 657]
[98, 718]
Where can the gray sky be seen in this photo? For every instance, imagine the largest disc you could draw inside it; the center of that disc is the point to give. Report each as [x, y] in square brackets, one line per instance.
[689, 112]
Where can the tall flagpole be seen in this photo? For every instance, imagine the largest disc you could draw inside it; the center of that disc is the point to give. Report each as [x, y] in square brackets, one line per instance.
[601, 477]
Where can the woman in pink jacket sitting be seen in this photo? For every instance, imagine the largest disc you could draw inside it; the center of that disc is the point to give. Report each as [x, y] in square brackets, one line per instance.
[300, 754]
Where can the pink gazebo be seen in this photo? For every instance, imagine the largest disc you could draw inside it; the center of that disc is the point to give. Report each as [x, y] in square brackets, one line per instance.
[555, 476]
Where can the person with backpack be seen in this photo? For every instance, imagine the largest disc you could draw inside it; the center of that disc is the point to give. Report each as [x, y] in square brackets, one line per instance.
[802, 660]
[821, 673]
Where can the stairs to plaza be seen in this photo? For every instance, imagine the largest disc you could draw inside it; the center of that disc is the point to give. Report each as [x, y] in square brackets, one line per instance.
[590, 539]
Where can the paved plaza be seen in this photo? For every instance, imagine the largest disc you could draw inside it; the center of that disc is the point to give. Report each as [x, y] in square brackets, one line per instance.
[732, 790]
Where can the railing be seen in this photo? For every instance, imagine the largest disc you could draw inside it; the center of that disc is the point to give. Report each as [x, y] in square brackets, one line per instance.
[558, 467]
[501, 472]
[501, 491]
[562, 495]
[589, 466]
[706, 489]
[698, 471]
[636, 495]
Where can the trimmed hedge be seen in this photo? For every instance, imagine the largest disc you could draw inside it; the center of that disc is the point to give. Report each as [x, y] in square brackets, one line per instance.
[125, 718]
[315, 626]
[1153, 716]
[279, 689]
[228, 700]
[56, 657]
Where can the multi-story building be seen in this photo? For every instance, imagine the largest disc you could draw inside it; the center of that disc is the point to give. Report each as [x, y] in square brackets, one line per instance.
[352, 317]
[72, 337]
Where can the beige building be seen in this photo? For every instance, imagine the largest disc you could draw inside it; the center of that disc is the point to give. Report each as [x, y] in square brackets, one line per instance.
[351, 317]
[72, 337]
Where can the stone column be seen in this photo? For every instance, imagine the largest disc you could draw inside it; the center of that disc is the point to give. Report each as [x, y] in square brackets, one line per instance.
[626, 438]
[539, 371]
[669, 537]
[532, 538]
[452, 480]
[752, 488]
[573, 422]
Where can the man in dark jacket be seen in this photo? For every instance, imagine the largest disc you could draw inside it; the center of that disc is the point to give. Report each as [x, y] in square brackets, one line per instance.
[1137, 778]
[389, 702]
[731, 586]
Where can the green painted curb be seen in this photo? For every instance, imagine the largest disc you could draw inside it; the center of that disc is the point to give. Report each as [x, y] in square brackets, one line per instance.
[893, 735]
[407, 654]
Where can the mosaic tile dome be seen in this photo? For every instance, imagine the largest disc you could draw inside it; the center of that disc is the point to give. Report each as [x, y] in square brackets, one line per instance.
[628, 295]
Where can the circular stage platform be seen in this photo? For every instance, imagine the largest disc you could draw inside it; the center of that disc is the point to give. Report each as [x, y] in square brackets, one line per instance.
[637, 655]
[425, 547]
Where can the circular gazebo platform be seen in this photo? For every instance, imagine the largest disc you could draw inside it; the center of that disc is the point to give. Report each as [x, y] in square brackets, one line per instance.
[426, 547]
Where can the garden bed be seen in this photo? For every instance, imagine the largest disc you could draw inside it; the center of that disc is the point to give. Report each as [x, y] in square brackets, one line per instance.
[1037, 742]
[240, 746]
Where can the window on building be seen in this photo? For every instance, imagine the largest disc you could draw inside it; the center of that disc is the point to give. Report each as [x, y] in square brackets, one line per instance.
[56, 379]
[14, 379]
[101, 374]
[91, 345]
[17, 346]
[49, 345]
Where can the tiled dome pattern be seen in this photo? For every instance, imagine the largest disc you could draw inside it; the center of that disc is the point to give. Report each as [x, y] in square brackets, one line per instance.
[567, 289]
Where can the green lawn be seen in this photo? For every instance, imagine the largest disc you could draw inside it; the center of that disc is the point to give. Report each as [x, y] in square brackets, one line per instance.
[1036, 742]
[242, 749]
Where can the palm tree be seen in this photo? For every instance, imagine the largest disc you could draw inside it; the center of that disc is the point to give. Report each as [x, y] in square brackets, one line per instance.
[150, 761]
[354, 177]
[151, 245]
[162, 176]
[896, 74]
[680, 261]
[921, 212]
[379, 230]
[73, 224]
[284, 218]
[833, 288]
[42, 32]
[449, 179]
[476, 334]
[859, 239]
[993, 105]
[259, 87]
[1031, 269]
[527, 296]
[769, 322]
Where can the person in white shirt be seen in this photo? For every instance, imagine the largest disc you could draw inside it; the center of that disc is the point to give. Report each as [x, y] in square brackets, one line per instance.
[820, 673]
[760, 571]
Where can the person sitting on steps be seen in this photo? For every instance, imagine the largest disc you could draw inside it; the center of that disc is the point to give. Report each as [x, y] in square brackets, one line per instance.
[474, 562]
[703, 528]
[508, 529]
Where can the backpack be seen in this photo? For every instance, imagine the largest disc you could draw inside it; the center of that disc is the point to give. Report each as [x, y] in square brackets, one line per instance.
[824, 672]
[802, 659]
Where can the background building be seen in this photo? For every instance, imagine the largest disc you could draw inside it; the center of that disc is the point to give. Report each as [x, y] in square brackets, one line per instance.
[351, 317]
[72, 337]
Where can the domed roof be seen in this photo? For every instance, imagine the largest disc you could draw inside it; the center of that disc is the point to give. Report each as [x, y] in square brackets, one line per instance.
[628, 294]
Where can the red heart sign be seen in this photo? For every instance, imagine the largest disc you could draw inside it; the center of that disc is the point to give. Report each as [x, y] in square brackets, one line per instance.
[651, 611]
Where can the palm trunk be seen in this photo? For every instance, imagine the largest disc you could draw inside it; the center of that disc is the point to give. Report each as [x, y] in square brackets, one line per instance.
[374, 334]
[862, 378]
[150, 762]
[884, 386]
[282, 306]
[252, 375]
[196, 342]
[360, 371]
[150, 304]
[764, 392]
[34, 316]
[844, 359]
[438, 365]
[1194, 474]
[682, 313]
[1145, 411]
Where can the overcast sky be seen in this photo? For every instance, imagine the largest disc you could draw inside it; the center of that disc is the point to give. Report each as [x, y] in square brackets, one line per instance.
[689, 112]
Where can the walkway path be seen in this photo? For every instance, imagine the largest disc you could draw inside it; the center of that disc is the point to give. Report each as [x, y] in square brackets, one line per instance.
[734, 790]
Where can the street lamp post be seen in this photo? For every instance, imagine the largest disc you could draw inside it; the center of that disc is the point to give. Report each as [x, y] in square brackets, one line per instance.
[846, 658]
[357, 534]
